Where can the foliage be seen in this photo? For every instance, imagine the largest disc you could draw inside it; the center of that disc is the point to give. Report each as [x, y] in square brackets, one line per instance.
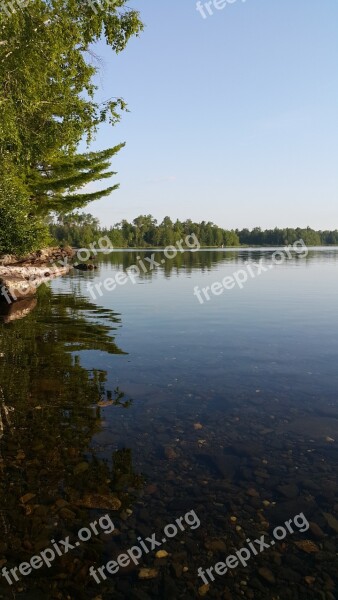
[283, 237]
[48, 102]
[79, 230]
[143, 232]
[20, 233]
[53, 185]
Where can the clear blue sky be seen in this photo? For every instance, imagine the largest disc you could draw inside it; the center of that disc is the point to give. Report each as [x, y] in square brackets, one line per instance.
[234, 118]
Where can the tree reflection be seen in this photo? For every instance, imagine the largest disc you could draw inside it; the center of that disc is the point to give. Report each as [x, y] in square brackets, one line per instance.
[52, 484]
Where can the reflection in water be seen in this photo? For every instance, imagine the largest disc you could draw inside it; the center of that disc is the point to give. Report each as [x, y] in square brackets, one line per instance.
[234, 415]
[16, 310]
[51, 481]
[188, 261]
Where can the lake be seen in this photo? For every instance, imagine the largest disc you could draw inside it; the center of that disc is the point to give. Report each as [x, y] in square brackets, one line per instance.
[149, 405]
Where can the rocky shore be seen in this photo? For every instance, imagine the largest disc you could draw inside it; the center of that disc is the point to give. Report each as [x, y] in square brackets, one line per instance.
[20, 277]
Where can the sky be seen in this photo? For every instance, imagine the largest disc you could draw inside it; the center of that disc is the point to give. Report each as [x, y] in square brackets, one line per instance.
[233, 117]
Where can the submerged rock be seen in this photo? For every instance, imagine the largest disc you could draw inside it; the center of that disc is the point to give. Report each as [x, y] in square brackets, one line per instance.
[331, 521]
[99, 501]
[266, 574]
[148, 573]
[85, 266]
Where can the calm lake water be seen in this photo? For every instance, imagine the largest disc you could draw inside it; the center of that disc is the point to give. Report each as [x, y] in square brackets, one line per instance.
[144, 396]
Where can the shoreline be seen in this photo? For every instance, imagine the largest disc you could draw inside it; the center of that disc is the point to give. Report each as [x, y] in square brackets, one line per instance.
[21, 277]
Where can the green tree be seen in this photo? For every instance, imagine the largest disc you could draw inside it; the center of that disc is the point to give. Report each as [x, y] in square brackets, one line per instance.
[47, 98]
[19, 233]
[53, 185]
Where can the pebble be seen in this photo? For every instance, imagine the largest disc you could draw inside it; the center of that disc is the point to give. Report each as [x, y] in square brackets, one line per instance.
[161, 554]
[266, 574]
[148, 573]
[203, 590]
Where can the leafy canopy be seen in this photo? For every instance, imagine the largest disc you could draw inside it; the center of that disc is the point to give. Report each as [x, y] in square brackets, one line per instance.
[47, 97]
[48, 103]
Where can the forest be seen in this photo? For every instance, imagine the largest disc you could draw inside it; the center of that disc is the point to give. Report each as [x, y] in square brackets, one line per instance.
[81, 229]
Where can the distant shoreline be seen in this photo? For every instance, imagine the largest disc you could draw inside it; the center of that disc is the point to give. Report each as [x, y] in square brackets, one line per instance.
[162, 248]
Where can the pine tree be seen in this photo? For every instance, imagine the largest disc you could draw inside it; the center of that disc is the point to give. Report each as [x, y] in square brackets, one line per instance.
[54, 186]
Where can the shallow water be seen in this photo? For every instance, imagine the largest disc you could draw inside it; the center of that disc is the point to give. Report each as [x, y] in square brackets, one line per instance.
[227, 408]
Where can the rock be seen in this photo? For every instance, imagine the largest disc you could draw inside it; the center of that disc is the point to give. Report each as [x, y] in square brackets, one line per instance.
[262, 474]
[253, 493]
[224, 465]
[61, 503]
[170, 453]
[27, 497]
[161, 554]
[203, 590]
[281, 512]
[178, 569]
[20, 282]
[215, 545]
[307, 546]
[266, 574]
[44, 256]
[331, 521]
[289, 491]
[99, 501]
[151, 489]
[316, 530]
[81, 468]
[67, 514]
[85, 266]
[148, 573]
[180, 504]
[243, 449]
[198, 426]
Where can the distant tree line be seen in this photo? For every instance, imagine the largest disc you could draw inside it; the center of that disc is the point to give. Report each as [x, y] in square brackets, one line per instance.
[81, 229]
[283, 237]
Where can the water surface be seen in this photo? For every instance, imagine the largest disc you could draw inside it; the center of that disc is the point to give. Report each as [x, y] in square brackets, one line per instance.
[228, 408]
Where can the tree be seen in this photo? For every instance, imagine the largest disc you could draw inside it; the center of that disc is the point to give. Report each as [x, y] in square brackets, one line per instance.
[47, 96]
[19, 233]
[47, 100]
[52, 184]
